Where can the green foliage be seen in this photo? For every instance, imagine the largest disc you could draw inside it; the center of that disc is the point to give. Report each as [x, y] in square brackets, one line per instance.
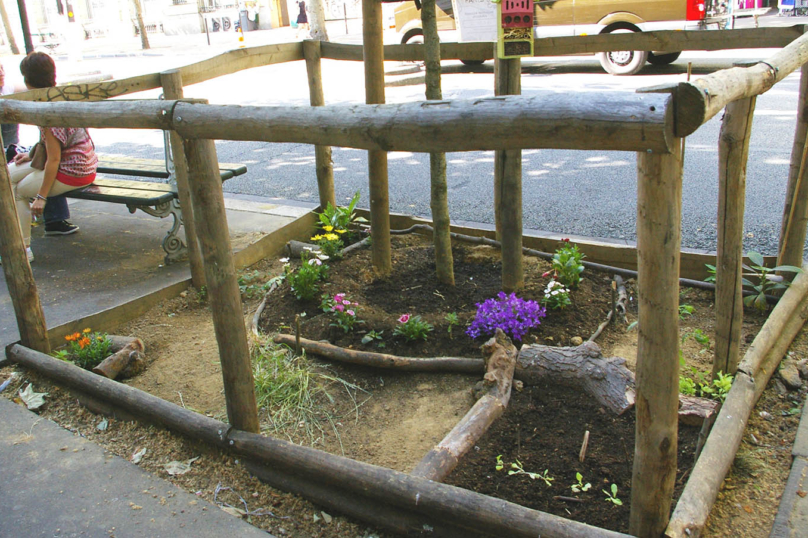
[718, 389]
[412, 328]
[767, 280]
[373, 336]
[686, 310]
[86, 349]
[341, 218]
[567, 265]
[579, 486]
[305, 281]
[612, 497]
[330, 243]
[500, 465]
[517, 468]
[556, 296]
[710, 272]
[250, 285]
[342, 310]
[453, 322]
[699, 336]
[687, 386]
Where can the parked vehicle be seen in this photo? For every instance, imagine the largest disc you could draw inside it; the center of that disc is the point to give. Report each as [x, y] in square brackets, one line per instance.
[587, 17]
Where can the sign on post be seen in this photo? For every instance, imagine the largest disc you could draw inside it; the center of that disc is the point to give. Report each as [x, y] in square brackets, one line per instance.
[515, 28]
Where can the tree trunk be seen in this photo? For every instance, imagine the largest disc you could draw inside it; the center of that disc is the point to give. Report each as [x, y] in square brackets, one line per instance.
[500, 362]
[317, 21]
[7, 26]
[144, 39]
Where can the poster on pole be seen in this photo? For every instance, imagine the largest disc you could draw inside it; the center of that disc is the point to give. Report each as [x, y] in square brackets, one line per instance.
[476, 19]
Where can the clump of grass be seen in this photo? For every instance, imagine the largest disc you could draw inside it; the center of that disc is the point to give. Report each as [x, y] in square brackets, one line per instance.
[294, 392]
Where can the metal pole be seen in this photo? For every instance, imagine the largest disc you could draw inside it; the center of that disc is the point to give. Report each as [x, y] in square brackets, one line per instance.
[345, 16]
[207, 32]
[26, 30]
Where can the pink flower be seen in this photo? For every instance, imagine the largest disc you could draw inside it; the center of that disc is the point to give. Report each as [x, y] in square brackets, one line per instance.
[338, 307]
[315, 261]
[546, 274]
[346, 302]
[351, 313]
[404, 318]
[338, 298]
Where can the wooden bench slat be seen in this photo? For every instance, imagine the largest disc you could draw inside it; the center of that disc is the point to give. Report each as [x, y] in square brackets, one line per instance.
[134, 185]
[122, 195]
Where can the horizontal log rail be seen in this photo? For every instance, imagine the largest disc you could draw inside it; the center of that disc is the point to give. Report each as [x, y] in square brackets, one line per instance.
[703, 98]
[454, 507]
[617, 121]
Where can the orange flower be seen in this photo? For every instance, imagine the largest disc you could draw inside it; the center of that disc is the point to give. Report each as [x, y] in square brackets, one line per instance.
[84, 342]
[69, 337]
[85, 331]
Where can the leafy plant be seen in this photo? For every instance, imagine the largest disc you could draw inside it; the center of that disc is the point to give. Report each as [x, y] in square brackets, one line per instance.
[86, 349]
[305, 282]
[686, 310]
[699, 336]
[768, 282]
[341, 218]
[250, 284]
[567, 265]
[453, 321]
[330, 242]
[372, 336]
[343, 311]
[579, 486]
[513, 315]
[556, 296]
[612, 497]
[500, 465]
[687, 386]
[517, 468]
[710, 273]
[412, 328]
[719, 388]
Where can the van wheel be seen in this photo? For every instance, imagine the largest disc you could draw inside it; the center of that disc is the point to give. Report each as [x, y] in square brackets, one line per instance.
[472, 62]
[663, 59]
[416, 35]
[623, 62]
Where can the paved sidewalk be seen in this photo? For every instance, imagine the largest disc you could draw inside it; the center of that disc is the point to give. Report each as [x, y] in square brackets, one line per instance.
[792, 518]
[55, 483]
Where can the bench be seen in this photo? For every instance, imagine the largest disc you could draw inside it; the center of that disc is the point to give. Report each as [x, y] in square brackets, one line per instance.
[156, 199]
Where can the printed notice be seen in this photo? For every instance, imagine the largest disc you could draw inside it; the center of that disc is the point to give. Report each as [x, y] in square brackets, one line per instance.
[476, 19]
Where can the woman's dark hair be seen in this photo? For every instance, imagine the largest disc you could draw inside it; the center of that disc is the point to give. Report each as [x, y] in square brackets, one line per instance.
[38, 70]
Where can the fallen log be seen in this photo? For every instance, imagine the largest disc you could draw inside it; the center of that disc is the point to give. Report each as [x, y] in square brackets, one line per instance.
[500, 363]
[582, 367]
[383, 360]
[294, 249]
[127, 361]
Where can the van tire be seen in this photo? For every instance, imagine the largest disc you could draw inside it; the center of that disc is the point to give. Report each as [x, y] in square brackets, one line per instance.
[416, 35]
[472, 62]
[663, 59]
[625, 62]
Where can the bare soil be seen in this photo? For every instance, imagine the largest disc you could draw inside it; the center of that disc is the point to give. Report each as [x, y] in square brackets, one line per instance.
[396, 418]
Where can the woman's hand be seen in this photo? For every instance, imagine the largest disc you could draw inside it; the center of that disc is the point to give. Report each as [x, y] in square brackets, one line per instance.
[21, 158]
[38, 207]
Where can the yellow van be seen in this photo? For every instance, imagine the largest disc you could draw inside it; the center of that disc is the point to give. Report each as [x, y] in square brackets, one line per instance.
[587, 17]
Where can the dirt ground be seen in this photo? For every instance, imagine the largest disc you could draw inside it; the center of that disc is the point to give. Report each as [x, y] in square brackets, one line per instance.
[395, 418]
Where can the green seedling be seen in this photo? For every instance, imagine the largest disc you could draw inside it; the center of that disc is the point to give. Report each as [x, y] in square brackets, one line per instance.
[686, 310]
[612, 497]
[453, 321]
[500, 464]
[372, 336]
[517, 468]
[579, 486]
[710, 272]
[767, 280]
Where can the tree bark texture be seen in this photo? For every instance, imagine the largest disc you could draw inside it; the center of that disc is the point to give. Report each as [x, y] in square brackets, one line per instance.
[659, 219]
[12, 42]
[500, 363]
[317, 27]
[322, 154]
[220, 273]
[733, 152]
[144, 38]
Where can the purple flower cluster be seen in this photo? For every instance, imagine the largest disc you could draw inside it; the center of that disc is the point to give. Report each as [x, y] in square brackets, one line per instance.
[513, 315]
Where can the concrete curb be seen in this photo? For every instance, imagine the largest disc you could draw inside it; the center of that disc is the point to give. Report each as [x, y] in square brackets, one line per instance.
[792, 516]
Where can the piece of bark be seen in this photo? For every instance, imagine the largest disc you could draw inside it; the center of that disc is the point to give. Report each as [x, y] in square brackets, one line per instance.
[119, 361]
[694, 411]
[582, 367]
[500, 360]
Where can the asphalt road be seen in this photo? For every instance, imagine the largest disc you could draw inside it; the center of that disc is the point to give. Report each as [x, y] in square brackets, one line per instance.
[588, 193]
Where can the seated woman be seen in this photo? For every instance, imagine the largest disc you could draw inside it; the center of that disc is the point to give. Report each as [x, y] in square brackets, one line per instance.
[71, 160]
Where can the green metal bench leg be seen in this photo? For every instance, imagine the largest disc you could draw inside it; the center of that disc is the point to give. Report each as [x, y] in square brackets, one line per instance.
[173, 244]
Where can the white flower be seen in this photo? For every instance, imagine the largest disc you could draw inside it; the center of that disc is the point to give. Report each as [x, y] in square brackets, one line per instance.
[323, 257]
[308, 248]
[314, 261]
[284, 260]
[556, 292]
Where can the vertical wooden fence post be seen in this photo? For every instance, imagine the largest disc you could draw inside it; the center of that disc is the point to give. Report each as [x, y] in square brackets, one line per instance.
[508, 184]
[377, 160]
[733, 152]
[795, 212]
[19, 277]
[322, 154]
[172, 89]
[659, 219]
[225, 299]
[439, 200]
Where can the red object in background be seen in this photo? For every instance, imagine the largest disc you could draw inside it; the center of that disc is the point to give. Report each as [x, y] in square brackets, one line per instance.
[517, 13]
[696, 10]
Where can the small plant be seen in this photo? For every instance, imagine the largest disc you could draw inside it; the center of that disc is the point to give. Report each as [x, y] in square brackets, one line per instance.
[719, 388]
[500, 465]
[250, 284]
[686, 310]
[710, 273]
[305, 282]
[556, 296]
[687, 386]
[330, 242]
[373, 336]
[567, 264]
[768, 282]
[453, 322]
[412, 328]
[699, 336]
[86, 349]
[513, 315]
[341, 218]
[579, 486]
[612, 497]
[343, 310]
[517, 468]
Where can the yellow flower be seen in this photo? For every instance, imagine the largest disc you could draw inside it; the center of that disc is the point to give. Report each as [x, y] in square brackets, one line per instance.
[340, 231]
[331, 237]
[85, 331]
[317, 237]
[328, 228]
